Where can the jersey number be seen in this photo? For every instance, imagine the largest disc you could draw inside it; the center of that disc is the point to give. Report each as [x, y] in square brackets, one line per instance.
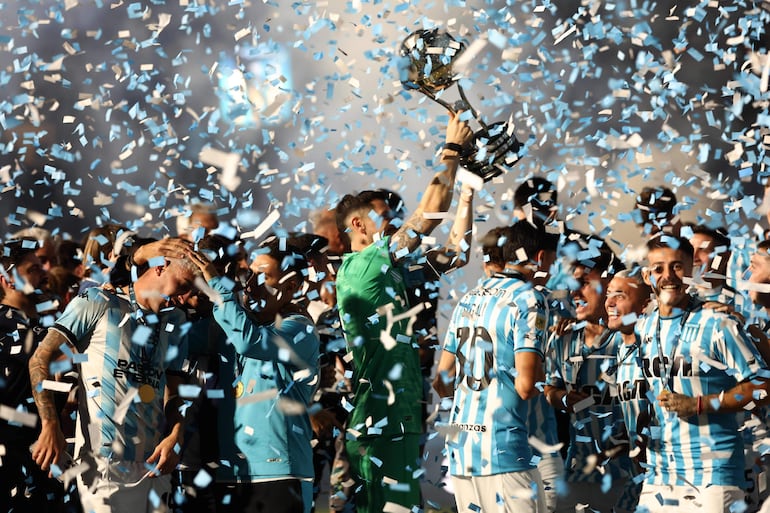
[477, 361]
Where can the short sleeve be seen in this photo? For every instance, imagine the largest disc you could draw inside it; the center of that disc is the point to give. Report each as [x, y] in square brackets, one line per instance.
[735, 349]
[530, 322]
[82, 315]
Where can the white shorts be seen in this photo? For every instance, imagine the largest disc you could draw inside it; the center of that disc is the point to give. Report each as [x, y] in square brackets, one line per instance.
[512, 492]
[686, 499]
[551, 468]
[122, 487]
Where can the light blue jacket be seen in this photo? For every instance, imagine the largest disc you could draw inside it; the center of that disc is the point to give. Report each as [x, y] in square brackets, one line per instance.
[265, 433]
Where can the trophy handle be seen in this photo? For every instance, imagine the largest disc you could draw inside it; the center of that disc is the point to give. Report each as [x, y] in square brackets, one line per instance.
[443, 103]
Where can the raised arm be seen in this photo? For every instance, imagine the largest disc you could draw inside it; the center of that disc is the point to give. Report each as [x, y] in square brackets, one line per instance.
[456, 252]
[444, 382]
[50, 443]
[438, 195]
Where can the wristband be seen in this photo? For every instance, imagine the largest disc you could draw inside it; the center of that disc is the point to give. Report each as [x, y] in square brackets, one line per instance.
[454, 147]
[564, 401]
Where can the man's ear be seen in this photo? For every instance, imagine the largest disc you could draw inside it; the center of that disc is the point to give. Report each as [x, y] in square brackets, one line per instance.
[646, 276]
[357, 224]
[5, 282]
[159, 269]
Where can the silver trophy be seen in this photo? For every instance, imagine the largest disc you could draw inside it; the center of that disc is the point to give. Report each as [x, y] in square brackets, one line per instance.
[431, 54]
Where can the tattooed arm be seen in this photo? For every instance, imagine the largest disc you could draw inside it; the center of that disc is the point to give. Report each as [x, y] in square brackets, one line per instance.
[50, 443]
[438, 195]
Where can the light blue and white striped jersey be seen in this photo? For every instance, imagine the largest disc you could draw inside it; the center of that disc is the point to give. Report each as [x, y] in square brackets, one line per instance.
[696, 351]
[500, 317]
[123, 366]
[571, 365]
[631, 390]
[542, 417]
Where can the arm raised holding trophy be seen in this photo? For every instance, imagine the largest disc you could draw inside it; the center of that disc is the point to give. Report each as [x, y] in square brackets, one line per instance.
[431, 69]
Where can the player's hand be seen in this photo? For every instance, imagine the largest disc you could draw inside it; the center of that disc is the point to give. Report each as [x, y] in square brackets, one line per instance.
[203, 263]
[458, 131]
[50, 445]
[570, 399]
[165, 457]
[168, 247]
[563, 326]
[724, 308]
[682, 405]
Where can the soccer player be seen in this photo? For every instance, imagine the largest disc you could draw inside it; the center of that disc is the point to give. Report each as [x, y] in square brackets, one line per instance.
[385, 423]
[271, 365]
[542, 418]
[710, 259]
[23, 486]
[576, 363]
[628, 296]
[702, 369]
[756, 433]
[130, 349]
[491, 363]
[656, 211]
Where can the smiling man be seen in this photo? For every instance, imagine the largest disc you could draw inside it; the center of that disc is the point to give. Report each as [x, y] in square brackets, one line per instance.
[702, 368]
[576, 364]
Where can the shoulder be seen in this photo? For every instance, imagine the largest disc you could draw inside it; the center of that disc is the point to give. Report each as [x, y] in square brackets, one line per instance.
[95, 298]
[525, 295]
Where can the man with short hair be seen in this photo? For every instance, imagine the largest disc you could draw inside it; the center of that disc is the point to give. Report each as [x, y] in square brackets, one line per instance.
[491, 363]
[536, 199]
[627, 298]
[23, 486]
[656, 210]
[385, 423]
[701, 367]
[711, 254]
[129, 348]
[542, 418]
[576, 363]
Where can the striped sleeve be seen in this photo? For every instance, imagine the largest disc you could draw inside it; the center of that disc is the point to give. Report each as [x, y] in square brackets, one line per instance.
[530, 322]
[81, 316]
[735, 349]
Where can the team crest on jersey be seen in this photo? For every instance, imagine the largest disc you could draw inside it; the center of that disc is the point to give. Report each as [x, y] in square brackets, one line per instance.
[540, 322]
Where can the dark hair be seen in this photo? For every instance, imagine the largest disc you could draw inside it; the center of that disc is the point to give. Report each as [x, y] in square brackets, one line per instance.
[492, 244]
[764, 246]
[69, 254]
[666, 240]
[223, 252]
[13, 252]
[312, 246]
[530, 238]
[718, 235]
[353, 202]
[395, 202]
[653, 201]
[537, 192]
[588, 250]
[62, 281]
[291, 259]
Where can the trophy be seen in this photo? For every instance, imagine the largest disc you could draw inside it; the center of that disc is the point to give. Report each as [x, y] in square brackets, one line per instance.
[431, 54]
